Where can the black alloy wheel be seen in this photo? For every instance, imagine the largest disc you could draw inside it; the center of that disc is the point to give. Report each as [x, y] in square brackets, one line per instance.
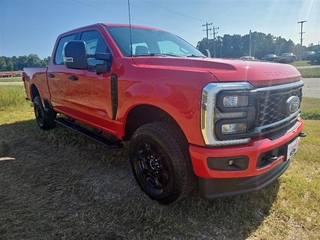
[161, 162]
[45, 119]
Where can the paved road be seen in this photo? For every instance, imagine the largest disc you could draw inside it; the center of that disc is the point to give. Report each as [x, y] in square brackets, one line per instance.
[311, 87]
[306, 67]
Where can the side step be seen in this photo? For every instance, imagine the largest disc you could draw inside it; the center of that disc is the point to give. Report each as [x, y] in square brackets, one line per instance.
[109, 143]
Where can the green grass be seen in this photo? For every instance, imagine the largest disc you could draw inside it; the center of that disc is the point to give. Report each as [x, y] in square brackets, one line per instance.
[307, 72]
[59, 185]
[310, 72]
[13, 106]
[11, 79]
[300, 63]
[304, 63]
[297, 205]
[310, 108]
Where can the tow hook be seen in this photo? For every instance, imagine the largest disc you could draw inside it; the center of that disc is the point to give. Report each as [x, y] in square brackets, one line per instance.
[270, 158]
[302, 134]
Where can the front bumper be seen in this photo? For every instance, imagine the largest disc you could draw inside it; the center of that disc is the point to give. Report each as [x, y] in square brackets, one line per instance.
[224, 187]
[254, 175]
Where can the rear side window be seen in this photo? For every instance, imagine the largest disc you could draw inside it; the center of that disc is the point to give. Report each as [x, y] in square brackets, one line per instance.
[94, 44]
[59, 54]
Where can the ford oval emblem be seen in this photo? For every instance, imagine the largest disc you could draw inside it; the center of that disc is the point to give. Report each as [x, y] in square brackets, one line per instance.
[293, 104]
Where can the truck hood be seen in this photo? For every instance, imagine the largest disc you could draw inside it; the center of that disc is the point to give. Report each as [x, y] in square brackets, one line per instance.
[258, 73]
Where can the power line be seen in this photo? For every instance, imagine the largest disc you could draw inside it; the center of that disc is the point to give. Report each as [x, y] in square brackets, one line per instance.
[301, 33]
[126, 16]
[207, 29]
[102, 9]
[174, 11]
[215, 31]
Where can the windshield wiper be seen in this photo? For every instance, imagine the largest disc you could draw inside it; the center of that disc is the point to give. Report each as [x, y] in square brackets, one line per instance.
[192, 55]
[143, 55]
[165, 54]
[156, 54]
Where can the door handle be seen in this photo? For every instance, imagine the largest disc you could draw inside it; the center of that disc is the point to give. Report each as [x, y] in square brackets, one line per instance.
[50, 75]
[73, 78]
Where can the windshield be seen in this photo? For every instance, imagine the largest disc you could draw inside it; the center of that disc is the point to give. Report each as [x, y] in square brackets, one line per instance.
[150, 42]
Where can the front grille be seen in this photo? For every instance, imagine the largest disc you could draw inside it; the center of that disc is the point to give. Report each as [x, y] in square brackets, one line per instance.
[283, 131]
[271, 111]
[271, 105]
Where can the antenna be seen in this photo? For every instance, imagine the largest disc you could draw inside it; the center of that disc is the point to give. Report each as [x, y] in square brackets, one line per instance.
[130, 27]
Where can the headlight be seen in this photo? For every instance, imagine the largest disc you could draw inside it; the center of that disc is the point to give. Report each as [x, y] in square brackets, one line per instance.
[234, 128]
[233, 114]
[235, 101]
[226, 113]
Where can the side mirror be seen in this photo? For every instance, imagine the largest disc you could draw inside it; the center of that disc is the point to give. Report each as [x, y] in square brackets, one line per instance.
[206, 52]
[75, 55]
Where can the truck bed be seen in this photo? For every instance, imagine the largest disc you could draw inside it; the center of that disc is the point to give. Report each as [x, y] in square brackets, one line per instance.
[32, 76]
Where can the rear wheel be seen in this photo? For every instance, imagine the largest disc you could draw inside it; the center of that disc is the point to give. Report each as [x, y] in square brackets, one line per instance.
[45, 118]
[161, 163]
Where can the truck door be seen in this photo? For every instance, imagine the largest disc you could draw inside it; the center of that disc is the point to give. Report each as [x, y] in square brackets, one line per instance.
[91, 94]
[57, 76]
[83, 94]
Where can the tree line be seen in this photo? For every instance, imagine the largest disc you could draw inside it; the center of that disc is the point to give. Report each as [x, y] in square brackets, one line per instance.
[257, 45]
[18, 63]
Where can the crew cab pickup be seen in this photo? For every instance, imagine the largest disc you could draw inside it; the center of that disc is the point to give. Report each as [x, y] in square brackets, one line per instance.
[230, 126]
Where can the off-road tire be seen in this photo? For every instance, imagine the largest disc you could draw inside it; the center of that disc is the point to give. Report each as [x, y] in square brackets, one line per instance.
[160, 162]
[45, 119]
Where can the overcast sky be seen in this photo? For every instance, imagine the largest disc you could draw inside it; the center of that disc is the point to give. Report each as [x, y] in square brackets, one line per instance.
[31, 26]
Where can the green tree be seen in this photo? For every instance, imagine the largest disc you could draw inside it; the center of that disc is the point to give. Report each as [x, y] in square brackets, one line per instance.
[3, 64]
[235, 46]
[10, 64]
[22, 62]
[33, 60]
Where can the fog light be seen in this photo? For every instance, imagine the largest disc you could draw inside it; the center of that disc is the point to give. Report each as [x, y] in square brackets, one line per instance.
[234, 128]
[235, 101]
[236, 163]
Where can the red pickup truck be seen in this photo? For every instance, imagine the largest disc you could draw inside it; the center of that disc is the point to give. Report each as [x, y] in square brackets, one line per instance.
[230, 126]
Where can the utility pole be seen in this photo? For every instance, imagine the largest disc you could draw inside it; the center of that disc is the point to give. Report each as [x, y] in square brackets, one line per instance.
[215, 31]
[250, 43]
[207, 31]
[301, 33]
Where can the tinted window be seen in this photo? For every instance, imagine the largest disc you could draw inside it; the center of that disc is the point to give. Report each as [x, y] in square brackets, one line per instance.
[94, 44]
[58, 59]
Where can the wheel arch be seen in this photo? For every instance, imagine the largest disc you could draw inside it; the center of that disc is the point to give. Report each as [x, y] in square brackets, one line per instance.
[34, 92]
[143, 114]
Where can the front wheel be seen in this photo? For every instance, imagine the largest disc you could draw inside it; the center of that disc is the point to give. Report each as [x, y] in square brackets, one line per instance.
[45, 119]
[161, 162]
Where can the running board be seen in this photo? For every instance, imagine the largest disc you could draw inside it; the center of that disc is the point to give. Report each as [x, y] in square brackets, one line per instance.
[109, 143]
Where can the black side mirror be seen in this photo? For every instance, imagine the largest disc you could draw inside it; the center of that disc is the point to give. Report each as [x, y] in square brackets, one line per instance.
[75, 55]
[206, 52]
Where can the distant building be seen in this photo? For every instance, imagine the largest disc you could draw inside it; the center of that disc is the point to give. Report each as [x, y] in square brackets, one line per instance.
[10, 74]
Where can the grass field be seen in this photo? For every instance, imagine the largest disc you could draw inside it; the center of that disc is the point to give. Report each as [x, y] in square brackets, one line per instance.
[11, 79]
[310, 72]
[304, 63]
[58, 185]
